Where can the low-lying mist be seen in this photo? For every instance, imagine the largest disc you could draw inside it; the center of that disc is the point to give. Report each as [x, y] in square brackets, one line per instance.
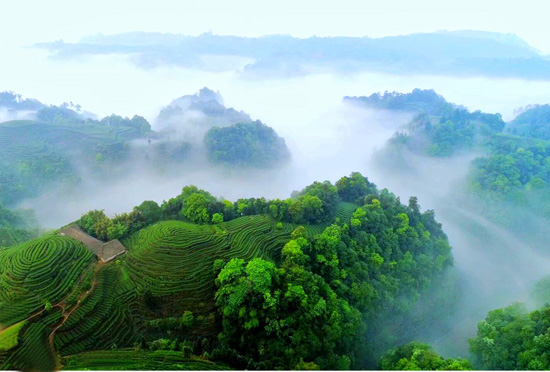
[329, 145]
[110, 83]
[494, 267]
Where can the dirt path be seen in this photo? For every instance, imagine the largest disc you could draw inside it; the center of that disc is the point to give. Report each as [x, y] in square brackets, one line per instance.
[66, 315]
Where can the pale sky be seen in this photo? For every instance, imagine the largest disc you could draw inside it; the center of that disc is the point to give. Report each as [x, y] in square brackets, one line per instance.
[24, 22]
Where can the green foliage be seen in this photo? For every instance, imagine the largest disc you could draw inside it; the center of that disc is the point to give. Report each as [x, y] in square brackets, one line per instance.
[512, 338]
[130, 360]
[511, 167]
[417, 356]
[38, 155]
[507, 339]
[217, 218]
[197, 205]
[9, 336]
[283, 316]
[514, 177]
[252, 144]
[314, 204]
[306, 366]
[384, 261]
[440, 128]
[288, 296]
[38, 274]
[533, 122]
[16, 226]
[354, 187]
[427, 101]
[195, 208]
[447, 138]
[187, 319]
[149, 211]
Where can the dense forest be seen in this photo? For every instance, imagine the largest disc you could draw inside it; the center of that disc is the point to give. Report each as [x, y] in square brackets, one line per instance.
[508, 175]
[253, 144]
[292, 283]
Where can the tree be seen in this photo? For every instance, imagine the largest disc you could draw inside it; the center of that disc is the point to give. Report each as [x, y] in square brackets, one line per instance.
[150, 211]
[90, 219]
[187, 319]
[419, 356]
[283, 316]
[217, 218]
[354, 188]
[195, 208]
[504, 337]
[246, 144]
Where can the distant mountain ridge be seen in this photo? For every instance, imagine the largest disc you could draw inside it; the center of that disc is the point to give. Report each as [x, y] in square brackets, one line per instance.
[453, 53]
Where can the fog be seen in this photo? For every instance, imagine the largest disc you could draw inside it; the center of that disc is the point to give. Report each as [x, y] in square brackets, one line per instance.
[494, 267]
[7, 115]
[327, 139]
[111, 84]
[328, 145]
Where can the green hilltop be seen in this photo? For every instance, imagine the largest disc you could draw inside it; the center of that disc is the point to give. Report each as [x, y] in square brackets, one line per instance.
[197, 270]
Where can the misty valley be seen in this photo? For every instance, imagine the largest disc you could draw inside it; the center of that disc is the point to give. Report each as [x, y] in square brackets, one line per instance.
[279, 224]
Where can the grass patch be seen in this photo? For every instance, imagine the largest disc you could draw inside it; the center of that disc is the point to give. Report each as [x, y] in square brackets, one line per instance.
[9, 336]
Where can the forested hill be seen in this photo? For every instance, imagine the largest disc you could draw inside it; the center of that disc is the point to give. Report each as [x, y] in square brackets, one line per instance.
[63, 146]
[533, 122]
[439, 128]
[515, 338]
[509, 180]
[255, 283]
[208, 103]
[229, 137]
[418, 101]
[36, 155]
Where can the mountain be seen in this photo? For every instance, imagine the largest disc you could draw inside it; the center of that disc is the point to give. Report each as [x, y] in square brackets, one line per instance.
[456, 53]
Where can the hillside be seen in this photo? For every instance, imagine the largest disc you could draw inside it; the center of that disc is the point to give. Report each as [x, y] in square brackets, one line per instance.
[59, 302]
[63, 146]
[534, 122]
[36, 155]
[508, 177]
[249, 144]
[202, 123]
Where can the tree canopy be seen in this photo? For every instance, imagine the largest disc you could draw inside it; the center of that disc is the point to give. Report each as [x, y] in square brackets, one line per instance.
[417, 356]
[250, 144]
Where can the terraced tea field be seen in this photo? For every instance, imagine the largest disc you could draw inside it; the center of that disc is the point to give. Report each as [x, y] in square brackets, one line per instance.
[33, 273]
[174, 259]
[34, 154]
[71, 303]
[119, 360]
